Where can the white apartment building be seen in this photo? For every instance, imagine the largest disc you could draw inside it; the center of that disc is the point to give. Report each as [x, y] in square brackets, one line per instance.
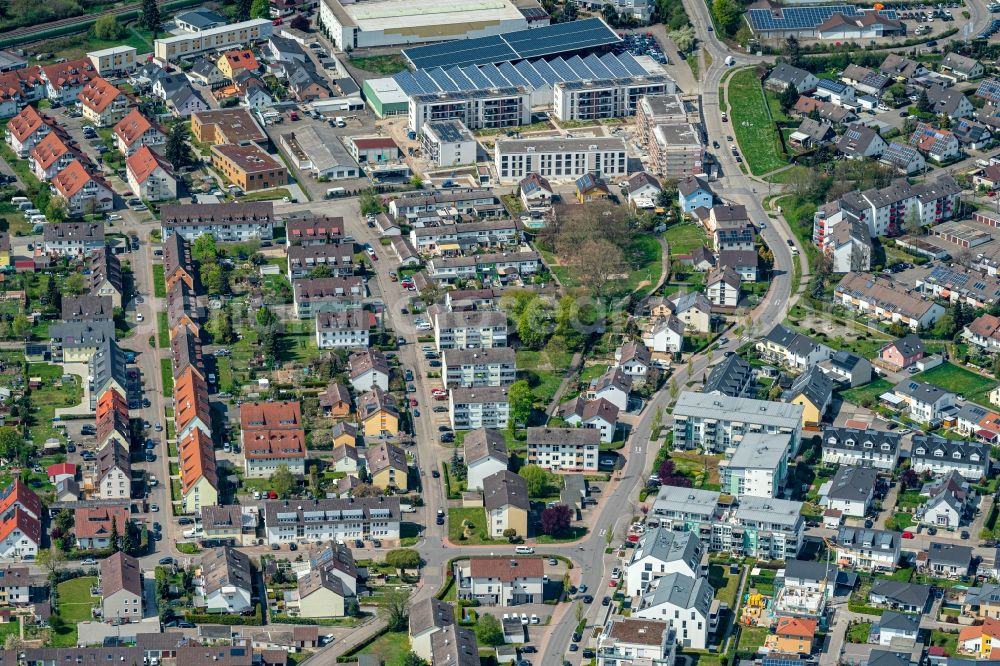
[630, 641]
[716, 422]
[221, 38]
[500, 581]
[483, 407]
[342, 330]
[470, 330]
[606, 98]
[660, 552]
[761, 527]
[476, 109]
[448, 143]
[466, 368]
[302, 521]
[682, 602]
[867, 549]
[860, 448]
[561, 158]
[564, 449]
[758, 466]
[939, 456]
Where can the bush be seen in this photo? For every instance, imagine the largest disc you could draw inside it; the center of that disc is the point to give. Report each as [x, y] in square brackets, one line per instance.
[210, 618]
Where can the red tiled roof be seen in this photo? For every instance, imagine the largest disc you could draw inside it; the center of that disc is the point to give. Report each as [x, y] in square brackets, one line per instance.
[71, 179]
[96, 522]
[240, 60]
[144, 162]
[98, 94]
[61, 468]
[268, 415]
[500, 567]
[20, 494]
[30, 527]
[49, 149]
[197, 460]
[74, 72]
[25, 123]
[375, 142]
[133, 126]
[274, 444]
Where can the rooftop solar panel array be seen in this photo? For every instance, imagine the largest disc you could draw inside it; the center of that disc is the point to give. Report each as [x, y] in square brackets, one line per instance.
[528, 73]
[518, 45]
[802, 18]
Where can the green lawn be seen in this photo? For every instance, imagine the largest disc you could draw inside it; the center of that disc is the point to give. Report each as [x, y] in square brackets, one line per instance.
[391, 648]
[159, 281]
[266, 195]
[75, 604]
[899, 521]
[642, 256]
[946, 640]
[684, 237]
[751, 638]
[958, 380]
[909, 499]
[868, 393]
[50, 397]
[477, 535]
[752, 124]
[858, 633]
[163, 330]
[167, 375]
[726, 585]
[380, 64]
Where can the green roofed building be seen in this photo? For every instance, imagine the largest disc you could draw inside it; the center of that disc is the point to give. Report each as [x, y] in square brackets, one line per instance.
[385, 97]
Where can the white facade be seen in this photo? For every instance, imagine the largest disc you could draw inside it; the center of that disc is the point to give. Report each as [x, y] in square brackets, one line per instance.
[223, 37]
[476, 109]
[561, 159]
[448, 144]
[564, 449]
[341, 330]
[484, 407]
[612, 98]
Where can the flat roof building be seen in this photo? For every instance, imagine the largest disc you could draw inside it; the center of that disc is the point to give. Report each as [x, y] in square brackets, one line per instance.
[249, 167]
[320, 152]
[224, 36]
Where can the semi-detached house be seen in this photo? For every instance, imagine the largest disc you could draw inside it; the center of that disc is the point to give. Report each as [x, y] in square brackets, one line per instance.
[860, 448]
[880, 298]
[227, 222]
[331, 519]
[500, 581]
[939, 456]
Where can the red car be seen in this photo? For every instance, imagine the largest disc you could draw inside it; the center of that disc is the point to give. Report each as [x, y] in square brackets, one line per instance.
[413, 403]
[612, 583]
[907, 534]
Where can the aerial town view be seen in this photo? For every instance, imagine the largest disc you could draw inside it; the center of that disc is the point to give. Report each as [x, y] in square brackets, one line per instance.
[499, 332]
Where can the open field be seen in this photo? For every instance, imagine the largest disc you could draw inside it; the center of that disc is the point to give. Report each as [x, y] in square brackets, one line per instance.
[380, 64]
[958, 380]
[684, 237]
[752, 123]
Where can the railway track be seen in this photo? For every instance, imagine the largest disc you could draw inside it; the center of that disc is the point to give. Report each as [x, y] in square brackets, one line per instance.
[83, 19]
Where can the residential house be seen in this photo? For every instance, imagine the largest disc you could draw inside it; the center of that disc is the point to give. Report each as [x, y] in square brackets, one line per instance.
[897, 629]
[321, 594]
[599, 414]
[564, 449]
[478, 407]
[847, 368]
[938, 144]
[691, 307]
[536, 192]
[925, 402]
[980, 640]
[335, 401]
[378, 414]
[982, 602]
[950, 502]
[693, 193]
[643, 191]
[664, 335]
[368, 369]
[660, 552]
[867, 549]
[814, 391]
[225, 581]
[121, 589]
[613, 386]
[851, 491]
[347, 329]
[901, 68]
[150, 176]
[961, 68]
[812, 133]
[199, 475]
[635, 642]
[387, 466]
[906, 597]
[84, 192]
[860, 142]
[331, 519]
[25, 130]
[345, 459]
[723, 287]
[485, 454]
[883, 299]
[102, 103]
[791, 348]
[344, 434]
[590, 187]
[732, 377]
[500, 581]
[634, 359]
[505, 497]
[949, 102]
[903, 352]
[684, 603]
[860, 448]
[937, 455]
[946, 560]
[907, 160]
[113, 478]
[94, 526]
[784, 75]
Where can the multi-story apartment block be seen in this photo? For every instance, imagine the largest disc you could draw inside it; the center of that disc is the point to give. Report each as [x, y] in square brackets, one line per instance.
[660, 552]
[758, 467]
[348, 329]
[222, 37]
[470, 330]
[939, 456]
[114, 61]
[716, 422]
[686, 510]
[477, 109]
[634, 642]
[228, 222]
[25, 130]
[500, 581]
[867, 549]
[881, 298]
[683, 602]
[564, 449]
[83, 191]
[466, 368]
[150, 176]
[249, 167]
[451, 269]
[73, 239]
[761, 527]
[329, 294]
[337, 257]
[605, 98]
[483, 407]
[103, 103]
[331, 519]
[860, 448]
[135, 130]
[561, 158]
[468, 236]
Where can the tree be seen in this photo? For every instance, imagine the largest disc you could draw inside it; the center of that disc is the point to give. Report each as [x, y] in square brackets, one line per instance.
[370, 203]
[788, 97]
[320, 272]
[727, 14]
[457, 466]
[683, 38]
[556, 520]
[540, 482]
[510, 534]
[535, 325]
[282, 481]
[57, 209]
[213, 278]
[923, 103]
[860, 257]
[20, 327]
[260, 9]
[150, 18]
[73, 284]
[413, 659]
[599, 263]
[396, 609]
[416, 182]
[489, 631]
[54, 294]
[129, 543]
[266, 317]
[520, 398]
[107, 28]
[51, 559]
[114, 539]
[13, 643]
[912, 223]
[793, 51]
[909, 479]
[63, 520]
[12, 445]
[243, 9]
[944, 328]
[204, 248]
[743, 34]
[178, 152]
[403, 558]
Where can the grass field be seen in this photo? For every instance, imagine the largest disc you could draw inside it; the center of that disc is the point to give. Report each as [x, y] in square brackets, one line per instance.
[726, 585]
[477, 535]
[642, 253]
[266, 195]
[946, 640]
[162, 330]
[958, 380]
[75, 604]
[684, 237]
[167, 375]
[868, 393]
[751, 638]
[380, 64]
[50, 397]
[858, 633]
[159, 281]
[752, 124]
[391, 648]
[72, 47]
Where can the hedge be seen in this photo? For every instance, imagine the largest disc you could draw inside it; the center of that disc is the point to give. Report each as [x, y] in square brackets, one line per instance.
[210, 618]
[318, 621]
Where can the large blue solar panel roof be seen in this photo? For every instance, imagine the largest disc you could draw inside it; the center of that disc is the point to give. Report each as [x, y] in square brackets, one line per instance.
[518, 45]
[801, 18]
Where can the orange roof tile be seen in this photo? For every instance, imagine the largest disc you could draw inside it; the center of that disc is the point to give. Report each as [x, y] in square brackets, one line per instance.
[130, 128]
[240, 60]
[796, 627]
[30, 527]
[49, 149]
[71, 179]
[270, 415]
[98, 94]
[274, 444]
[73, 73]
[25, 123]
[21, 495]
[13, 84]
[197, 460]
[191, 399]
[989, 627]
[96, 521]
[144, 162]
[111, 400]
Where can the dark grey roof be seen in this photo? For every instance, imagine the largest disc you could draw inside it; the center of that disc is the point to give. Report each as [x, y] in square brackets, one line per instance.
[856, 537]
[920, 390]
[788, 74]
[952, 451]
[814, 385]
[729, 377]
[949, 553]
[692, 184]
[793, 341]
[907, 594]
[888, 658]
[430, 613]
[900, 621]
[854, 439]
[805, 570]
[853, 484]
[845, 360]
[202, 18]
[505, 488]
[909, 345]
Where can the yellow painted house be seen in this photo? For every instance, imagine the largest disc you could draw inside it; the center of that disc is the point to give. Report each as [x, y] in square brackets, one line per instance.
[378, 414]
[4, 249]
[387, 467]
[199, 480]
[980, 640]
[505, 497]
[344, 434]
[321, 594]
[814, 391]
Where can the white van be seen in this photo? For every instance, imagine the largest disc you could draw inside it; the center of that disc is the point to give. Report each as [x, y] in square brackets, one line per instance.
[15, 201]
[37, 219]
[335, 192]
[524, 550]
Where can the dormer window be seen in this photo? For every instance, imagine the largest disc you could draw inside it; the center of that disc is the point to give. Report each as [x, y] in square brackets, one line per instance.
[974, 457]
[850, 442]
[938, 453]
[920, 451]
[956, 455]
[869, 445]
